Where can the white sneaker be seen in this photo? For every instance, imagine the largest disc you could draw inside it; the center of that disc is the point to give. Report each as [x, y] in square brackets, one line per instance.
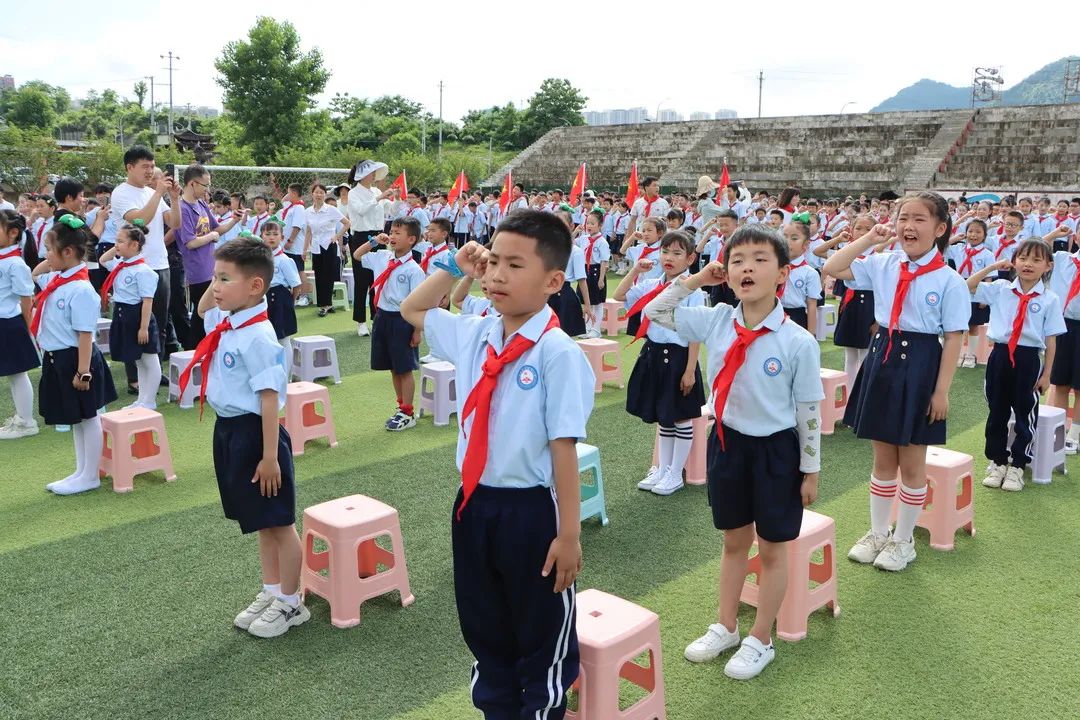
[650, 480]
[75, 485]
[304, 301]
[716, 640]
[668, 484]
[362, 331]
[969, 362]
[1014, 480]
[960, 360]
[278, 618]
[1071, 446]
[994, 475]
[868, 547]
[400, 421]
[255, 609]
[428, 359]
[896, 556]
[592, 333]
[750, 660]
[18, 427]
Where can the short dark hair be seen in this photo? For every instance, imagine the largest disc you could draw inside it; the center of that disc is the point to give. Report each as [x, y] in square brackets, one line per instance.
[758, 235]
[777, 211]
[135, 153]
[194, 171]
[520, 186]
[296, 188]
[67, 187]
[678, 237]
[251, 257]
[318, 185]
[49, 199]
[102, 188]
[260, 196]
[553, 243]
[729, 214]
[676, 214]
[238, 196]
[648, 181]
[443, 223]
[411, 225]
[1016, 214]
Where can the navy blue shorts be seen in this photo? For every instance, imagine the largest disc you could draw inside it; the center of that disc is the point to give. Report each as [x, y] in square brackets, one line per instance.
[756, 480]
[799, 316]
[391, 338]
[58, 400]
[124, 334]
[19, 353]
[1066, 368]
[237, 452]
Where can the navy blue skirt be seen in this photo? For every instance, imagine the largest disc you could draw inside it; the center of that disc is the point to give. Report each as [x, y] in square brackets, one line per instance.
[654, 394]
[567, 306]
[799, 316]
[281, 310]
[124, 334]
[980, 314]
[597, 294]
[890, 400]
[19, 354]
[58, 400]
[854, 320]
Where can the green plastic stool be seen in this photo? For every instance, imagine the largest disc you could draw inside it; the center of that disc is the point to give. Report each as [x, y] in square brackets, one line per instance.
[592, 494]
[340, 298]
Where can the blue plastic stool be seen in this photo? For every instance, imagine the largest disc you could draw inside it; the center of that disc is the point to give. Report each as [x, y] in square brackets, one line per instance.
[592, 495]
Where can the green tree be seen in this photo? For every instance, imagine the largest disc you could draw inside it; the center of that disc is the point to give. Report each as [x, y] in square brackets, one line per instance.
[61, 100]
[556, 104]
[396, 106]
[502, 125]
[30, 108]
[140, 89]
[269, 85]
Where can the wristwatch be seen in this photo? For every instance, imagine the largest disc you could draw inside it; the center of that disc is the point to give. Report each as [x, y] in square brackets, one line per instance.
[85, 377]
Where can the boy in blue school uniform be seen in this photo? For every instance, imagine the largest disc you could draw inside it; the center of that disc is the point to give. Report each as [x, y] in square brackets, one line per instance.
[244, 379]
[394, 342]
[515, 527]
[764, 456]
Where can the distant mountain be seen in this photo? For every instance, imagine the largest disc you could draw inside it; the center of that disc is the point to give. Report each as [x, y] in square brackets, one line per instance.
[1043, 87]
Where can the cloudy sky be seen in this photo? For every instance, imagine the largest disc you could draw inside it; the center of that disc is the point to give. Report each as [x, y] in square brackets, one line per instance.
[684, 56]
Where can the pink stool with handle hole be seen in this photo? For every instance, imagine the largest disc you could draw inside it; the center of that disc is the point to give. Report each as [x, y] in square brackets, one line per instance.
[597, 351]
[612, 632]
[130, 449]
[818, 532]
[302, 419]
[695, 471]
[950, 500]
[835, 385]
[350, 526]
[614, 317]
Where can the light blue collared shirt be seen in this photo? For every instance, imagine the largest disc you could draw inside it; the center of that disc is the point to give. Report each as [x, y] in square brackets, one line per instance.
[575, 266]
[475, 305]
[544, 395]
[656, 271]
[656, 332]
[285, 272]
[958, 254]
[1043, 318]
[247, 361]
[70, 310]
[15, 284]
[803, 284]
[1061, 280]
[936, 302]
[405, 278]
[601, 251]
[134, 283]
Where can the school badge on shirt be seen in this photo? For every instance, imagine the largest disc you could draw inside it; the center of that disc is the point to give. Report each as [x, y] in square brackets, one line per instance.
[932, 298]
[527, 377]
[773, 366]
[228, 360]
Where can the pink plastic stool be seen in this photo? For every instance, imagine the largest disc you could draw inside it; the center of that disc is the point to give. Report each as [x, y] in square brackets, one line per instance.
[349, 526]
[611, 633]
[302, 419]
[695, 473]
[835, 385]
[949, 476]
[129, 448]
[983, 346]
[597, 350]
[614, 317]
[800, 600]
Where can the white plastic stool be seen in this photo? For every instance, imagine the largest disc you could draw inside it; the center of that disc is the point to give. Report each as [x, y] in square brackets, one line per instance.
[438, 391]
[1048, 449]
[314, 357]
[826, 322]
[177, 362]
[101, 335]
[340, 298]
[349, 280]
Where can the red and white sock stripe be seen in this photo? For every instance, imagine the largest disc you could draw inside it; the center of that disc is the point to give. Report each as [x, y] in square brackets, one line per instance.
[882, 488]
[912, 496]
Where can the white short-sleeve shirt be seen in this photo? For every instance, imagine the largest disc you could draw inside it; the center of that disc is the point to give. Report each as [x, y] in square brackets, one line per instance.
[294, 216]
[981, 257]
[125, 198]
[1043, 318]
[936, 302]
[403, 280]
[656, 332]
[575, 266]
[1065, 269]
[324, 224]
[285, 272]
[247, 361]
[15, 283]
[475, 305]
[134, 282]
[601, 251]
[658, 207]
[803, 284]
[634, 254]
[71, 309]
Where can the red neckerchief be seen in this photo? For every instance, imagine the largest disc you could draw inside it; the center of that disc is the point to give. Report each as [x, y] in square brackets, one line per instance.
[1074, 288]
[107, 285]
[969, 256]
[1018, 323]
[588, 250]
[430, 253]
[285, 211]
[54, 284]
[13, 252]
[783, 288]
[733, 360]
[377, 286]
[639, 307]
[903, 285]
[258, 221]
[204, 353]
[1058, 219]
[1003, 246]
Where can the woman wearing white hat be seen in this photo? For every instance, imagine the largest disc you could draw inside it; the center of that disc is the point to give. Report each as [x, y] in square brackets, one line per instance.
[366, 221]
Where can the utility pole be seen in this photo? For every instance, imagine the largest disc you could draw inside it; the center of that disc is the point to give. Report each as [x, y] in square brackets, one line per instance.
[153, 129]
[423, 135]
[760, 84]
[170, 57]
[440, 122]
[490, 142]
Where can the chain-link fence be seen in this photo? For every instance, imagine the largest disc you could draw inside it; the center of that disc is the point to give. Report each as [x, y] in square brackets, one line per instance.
[273, 182]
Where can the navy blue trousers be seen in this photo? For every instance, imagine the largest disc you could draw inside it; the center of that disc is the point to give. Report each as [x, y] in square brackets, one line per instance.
[1011, 390]
[522, 633]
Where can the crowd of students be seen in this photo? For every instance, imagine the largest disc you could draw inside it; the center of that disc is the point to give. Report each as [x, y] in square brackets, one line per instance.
[740, 276]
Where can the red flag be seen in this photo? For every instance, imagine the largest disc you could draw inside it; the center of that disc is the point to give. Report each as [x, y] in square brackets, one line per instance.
[504, 196]
[401, 185]
[725, 179]
[579, 185]
[632, 187]
[461, 186]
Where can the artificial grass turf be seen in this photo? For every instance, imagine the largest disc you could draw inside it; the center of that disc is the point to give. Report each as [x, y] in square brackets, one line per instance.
[120, 606]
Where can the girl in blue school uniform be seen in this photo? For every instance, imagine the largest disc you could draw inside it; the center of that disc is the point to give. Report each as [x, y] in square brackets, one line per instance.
[799, 295]
[665, 386]
[19, 355]
[597, 254]
[133, 335]
[75, 381]
[1025, 319]
[855, 314]
[968, 255]
[572, 307]
[900, 398]
[284, 288]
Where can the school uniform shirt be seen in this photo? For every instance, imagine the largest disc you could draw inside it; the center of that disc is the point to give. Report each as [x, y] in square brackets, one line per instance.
[645, 209]
[480, 220]
[405, 278]
[294, 216]
[782, 367]
[936, 302]
[1042, 225]
[439, 255]
[958, 253]
[285, 272]
[463, 219]
[15, 284]
[235, 230]
[1061, 280]
[803, 284]
[419, 214]
[601, 251]
[657, 333]
[257, 222]
[324, 224]
[475, 305]
[1043, 319]
[522, 203]
[836, 225]
[621, 220]
[656, 271]
[133, 283]
[125, 198]
[544, 395]
[575, 266]
[247, 361]
[494, 216]
[70, 309]
[38, 230]
[815, 262]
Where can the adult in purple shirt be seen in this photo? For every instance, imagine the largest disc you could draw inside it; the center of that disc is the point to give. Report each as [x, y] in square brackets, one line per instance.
[199, 230]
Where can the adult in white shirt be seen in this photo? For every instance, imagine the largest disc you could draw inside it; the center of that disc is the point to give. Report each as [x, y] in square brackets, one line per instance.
[325, 227]
[366, 219]
[140, 197]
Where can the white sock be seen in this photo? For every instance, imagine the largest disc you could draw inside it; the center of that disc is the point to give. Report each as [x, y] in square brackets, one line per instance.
[667, 449]
[684, 438]
[80, 451]
[1074, 432]
[290, 600]
[882, 493]
[22, 393]
[852, 363]
[287, 344]
[92, 443]
[274, 589]
[598, 315]
[911, 502]
[149, 371]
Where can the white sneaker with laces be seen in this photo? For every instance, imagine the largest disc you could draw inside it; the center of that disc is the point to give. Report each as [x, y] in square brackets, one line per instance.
[1014, 480]
[716, 640]
[650, 480]
[428, 359]
[995, 474]
[969, 362]
[18, 427]
[255, 609]
[868, 547]
[362, 331]
[668, 485]
[750, 660]
[278, 618]
[304, 301]
[400, 421]
[1071, 446]
[896, 556]
[592, 333]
